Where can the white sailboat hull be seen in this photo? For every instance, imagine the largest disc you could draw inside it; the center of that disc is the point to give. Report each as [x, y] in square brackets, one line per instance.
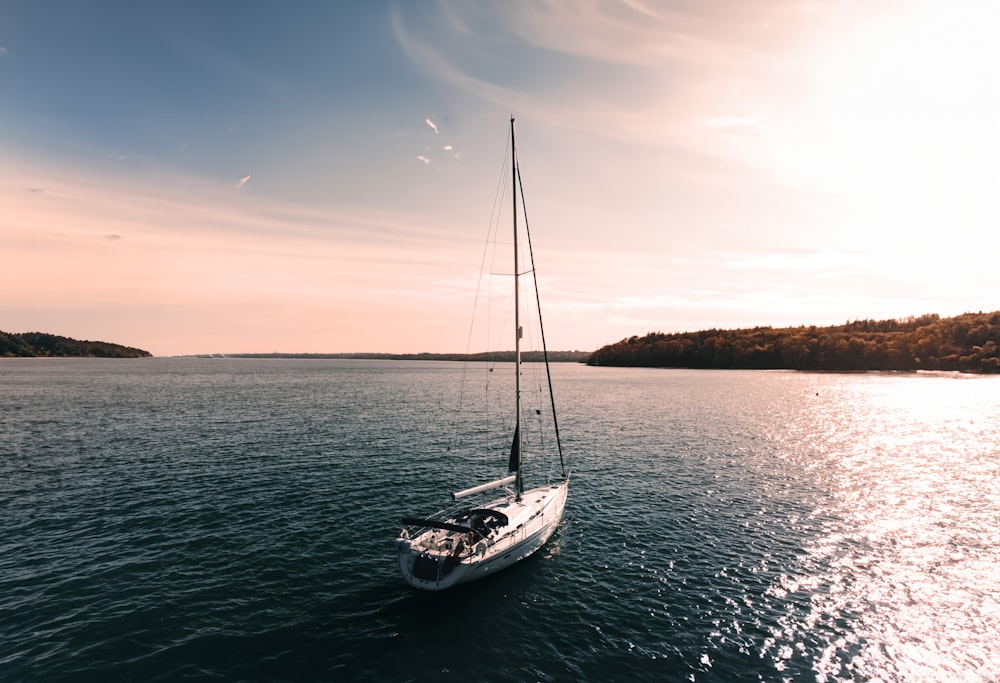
[439, 558]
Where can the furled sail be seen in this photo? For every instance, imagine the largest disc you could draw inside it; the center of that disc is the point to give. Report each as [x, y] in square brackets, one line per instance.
[515, 451]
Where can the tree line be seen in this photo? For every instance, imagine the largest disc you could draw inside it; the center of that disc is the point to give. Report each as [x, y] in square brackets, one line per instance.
[34, 344]
[966, 343]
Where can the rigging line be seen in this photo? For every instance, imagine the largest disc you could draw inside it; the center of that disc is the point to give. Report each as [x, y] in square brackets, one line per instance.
[493, 240]
[541, 327]
[494, 223]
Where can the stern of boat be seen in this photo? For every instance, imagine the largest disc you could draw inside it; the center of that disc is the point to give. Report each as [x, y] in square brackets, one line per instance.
[428, 569]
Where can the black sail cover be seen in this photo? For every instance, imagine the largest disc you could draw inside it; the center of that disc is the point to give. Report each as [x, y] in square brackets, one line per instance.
[515, 450]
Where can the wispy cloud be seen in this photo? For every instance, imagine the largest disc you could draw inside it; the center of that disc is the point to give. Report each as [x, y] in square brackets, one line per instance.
[663, 73]
[164, 244]
[3, 50]
[731, 122]
[73, 236]
[806, 262]
[424, 159]
[243, 181]
[432, 126]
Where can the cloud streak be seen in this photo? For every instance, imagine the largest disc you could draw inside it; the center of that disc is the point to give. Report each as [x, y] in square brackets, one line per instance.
[432, 126]
[243, 181]
[157, 254]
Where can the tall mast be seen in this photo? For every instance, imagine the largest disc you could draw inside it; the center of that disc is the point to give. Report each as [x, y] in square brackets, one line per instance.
[517, 321]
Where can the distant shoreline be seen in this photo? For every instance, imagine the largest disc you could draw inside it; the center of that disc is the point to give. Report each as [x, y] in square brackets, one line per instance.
[967, 343]
[43, 345]
[501, 356]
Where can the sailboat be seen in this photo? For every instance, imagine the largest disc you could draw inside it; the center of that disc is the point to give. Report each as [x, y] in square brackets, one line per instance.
[507, 523]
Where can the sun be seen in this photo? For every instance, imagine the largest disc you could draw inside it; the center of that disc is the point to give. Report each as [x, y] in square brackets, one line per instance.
[902, 105]
[900, 124]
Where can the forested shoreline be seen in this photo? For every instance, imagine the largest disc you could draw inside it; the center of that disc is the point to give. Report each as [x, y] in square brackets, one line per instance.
[965, 343]
[36, 344]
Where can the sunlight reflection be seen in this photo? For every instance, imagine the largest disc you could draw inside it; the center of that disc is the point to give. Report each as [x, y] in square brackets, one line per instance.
[903, 584]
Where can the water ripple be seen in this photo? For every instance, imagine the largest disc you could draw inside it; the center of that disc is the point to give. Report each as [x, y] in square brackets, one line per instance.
[230, 519]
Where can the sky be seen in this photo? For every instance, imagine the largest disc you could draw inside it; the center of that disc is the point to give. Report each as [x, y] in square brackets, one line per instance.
[236, 177]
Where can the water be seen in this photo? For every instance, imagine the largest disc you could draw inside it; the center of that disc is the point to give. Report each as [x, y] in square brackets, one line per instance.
[232, 519]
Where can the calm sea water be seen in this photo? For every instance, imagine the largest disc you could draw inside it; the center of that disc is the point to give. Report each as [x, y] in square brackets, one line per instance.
[232, 519]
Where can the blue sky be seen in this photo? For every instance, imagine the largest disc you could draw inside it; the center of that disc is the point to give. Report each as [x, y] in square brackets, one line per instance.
[247, 176]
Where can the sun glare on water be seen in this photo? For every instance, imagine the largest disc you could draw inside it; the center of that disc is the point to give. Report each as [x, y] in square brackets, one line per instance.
[902, 586]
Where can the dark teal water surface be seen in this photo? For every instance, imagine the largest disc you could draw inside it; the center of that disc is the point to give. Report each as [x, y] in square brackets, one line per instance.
[232, 519]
